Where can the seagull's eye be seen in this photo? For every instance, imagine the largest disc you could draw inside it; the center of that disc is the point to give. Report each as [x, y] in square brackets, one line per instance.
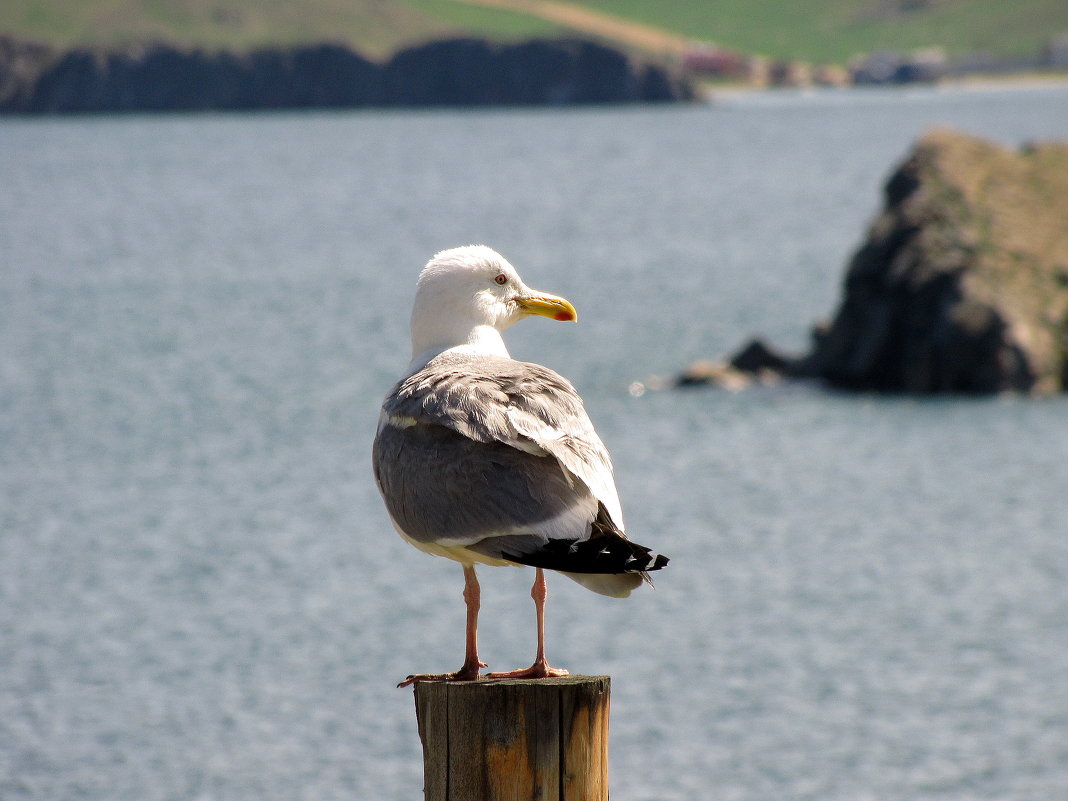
[501, 279]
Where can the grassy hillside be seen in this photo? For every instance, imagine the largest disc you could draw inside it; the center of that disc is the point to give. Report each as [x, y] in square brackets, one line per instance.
[833, 30]
[374, 27]
[815, 30]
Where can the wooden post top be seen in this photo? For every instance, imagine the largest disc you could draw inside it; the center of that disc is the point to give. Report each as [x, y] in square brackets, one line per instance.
[560, 681]
[515, 739]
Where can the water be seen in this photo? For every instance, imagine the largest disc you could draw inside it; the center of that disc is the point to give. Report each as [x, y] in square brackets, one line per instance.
[200, 595]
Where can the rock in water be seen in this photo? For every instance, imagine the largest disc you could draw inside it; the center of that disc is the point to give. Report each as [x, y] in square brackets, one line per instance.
[962, 284]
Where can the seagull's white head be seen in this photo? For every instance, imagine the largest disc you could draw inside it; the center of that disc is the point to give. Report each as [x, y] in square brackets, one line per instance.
[466, 296]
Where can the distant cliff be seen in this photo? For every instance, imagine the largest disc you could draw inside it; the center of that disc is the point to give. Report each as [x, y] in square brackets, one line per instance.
[960, 287]
[456, 72]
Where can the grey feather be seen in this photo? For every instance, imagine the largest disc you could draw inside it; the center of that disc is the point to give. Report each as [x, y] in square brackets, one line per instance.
[527, 406]
[499, 457]
[443, 487]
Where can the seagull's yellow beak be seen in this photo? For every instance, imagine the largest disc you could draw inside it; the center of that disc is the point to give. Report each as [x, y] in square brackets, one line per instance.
[545, 305]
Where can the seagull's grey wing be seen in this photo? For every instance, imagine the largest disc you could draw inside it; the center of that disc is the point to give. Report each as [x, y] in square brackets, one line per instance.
[446, 490]
[526, 406]
[546, 409]
[443, 487]
[499, 459]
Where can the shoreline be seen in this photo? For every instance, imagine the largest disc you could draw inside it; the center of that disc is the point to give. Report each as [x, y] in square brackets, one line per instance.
[711, 93]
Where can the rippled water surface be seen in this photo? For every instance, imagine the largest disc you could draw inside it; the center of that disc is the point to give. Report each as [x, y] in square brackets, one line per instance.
[200, 594]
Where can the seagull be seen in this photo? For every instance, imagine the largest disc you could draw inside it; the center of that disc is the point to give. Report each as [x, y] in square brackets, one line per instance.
[486, 460]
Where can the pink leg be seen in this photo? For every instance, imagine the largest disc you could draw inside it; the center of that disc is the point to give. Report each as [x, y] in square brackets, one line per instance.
[469, 670]
[541, 668]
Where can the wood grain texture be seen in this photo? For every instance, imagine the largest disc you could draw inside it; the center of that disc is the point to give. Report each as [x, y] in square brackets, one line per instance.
[515, 739]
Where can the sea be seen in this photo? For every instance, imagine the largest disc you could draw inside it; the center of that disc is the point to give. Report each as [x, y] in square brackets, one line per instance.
[201, 596]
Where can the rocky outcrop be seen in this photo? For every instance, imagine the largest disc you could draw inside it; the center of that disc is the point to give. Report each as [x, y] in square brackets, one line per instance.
[458, 72]
[162, 78]
[473, 72]
[962, 283]
[757, 362]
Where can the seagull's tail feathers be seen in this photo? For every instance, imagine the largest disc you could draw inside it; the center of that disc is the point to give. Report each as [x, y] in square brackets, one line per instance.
[606, 562]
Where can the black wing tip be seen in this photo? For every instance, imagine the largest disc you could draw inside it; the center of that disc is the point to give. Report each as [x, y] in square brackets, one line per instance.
[607, 551]
[610, 554]
[659, 562]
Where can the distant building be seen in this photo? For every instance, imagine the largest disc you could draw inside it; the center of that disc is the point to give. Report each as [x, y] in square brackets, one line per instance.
[876, 68]
[791, 73]
[831, 75]
[926, 65]
[923, 66]
[715, 62]
[1056, 52]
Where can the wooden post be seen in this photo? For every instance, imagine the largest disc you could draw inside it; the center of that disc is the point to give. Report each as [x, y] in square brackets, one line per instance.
[515, 739]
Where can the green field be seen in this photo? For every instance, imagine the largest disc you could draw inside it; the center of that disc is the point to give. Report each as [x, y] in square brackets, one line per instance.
[374, 27]
[831, 31]
[814, 30]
